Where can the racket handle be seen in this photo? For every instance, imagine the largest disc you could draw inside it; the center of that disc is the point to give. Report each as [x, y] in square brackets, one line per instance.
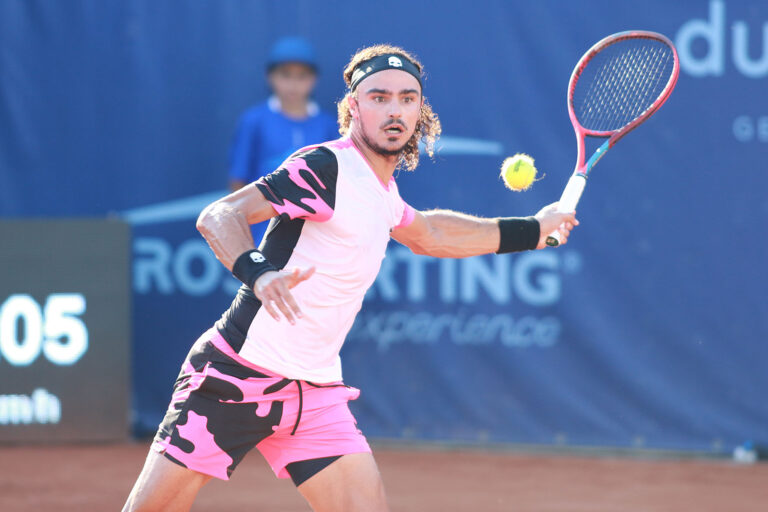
[568, 202]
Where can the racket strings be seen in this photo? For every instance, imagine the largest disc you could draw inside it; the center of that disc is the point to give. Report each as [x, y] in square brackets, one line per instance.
[611, 83]
[645, 81]
[622, 89]
[629, 83]
[620, 83]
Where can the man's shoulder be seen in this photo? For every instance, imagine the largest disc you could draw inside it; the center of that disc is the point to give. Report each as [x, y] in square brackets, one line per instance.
[317, 157]
[311, 172]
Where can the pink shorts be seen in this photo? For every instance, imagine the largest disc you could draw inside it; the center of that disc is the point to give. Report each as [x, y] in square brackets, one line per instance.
[223, 406]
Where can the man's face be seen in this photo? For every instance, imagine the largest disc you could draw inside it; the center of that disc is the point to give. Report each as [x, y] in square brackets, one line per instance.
[386, 109]
[292, 82]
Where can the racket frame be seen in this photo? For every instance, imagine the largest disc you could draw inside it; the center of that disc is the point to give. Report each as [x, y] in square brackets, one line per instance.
[577, 182]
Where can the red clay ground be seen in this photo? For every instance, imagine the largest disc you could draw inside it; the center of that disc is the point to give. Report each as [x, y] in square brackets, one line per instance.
[98, 478]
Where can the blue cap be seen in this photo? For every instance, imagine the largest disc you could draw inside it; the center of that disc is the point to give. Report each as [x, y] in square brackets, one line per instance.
[292, 49]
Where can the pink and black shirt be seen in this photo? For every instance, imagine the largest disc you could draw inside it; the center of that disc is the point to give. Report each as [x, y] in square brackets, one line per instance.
[334, 214]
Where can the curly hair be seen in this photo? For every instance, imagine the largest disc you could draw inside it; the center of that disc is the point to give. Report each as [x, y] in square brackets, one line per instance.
[428, 126]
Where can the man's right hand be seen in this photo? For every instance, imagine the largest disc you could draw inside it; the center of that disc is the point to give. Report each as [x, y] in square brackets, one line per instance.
[550, 219]
[273, 289]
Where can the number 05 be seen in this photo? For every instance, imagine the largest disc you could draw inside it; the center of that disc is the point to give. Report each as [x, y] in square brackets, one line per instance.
[61, 321]
[56, 330]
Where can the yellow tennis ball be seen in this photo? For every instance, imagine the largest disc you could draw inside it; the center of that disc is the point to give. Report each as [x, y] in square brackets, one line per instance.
[518, 172]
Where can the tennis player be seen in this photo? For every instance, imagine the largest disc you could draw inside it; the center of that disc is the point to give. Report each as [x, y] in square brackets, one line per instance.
[268, 374]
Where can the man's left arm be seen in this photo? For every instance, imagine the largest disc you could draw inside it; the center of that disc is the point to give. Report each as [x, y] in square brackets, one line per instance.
[450, 234]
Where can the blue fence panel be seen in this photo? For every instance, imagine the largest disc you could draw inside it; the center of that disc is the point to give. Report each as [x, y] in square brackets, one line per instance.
[647, 330]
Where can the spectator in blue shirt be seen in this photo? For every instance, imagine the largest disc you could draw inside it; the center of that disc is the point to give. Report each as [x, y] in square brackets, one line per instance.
[288, 120]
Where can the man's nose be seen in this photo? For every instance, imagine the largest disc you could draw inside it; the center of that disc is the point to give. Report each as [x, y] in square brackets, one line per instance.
[394, 110]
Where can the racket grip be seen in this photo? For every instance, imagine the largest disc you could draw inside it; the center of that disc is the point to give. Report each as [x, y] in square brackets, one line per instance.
[568, 202]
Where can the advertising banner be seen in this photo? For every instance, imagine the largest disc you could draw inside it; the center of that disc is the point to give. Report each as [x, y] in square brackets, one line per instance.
[64, 330]
[647, 330]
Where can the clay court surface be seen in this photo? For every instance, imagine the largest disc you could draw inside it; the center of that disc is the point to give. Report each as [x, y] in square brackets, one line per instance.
[96, 478]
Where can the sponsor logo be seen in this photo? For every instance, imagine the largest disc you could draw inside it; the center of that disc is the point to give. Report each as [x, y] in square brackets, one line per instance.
[190, 268]
[703, 45]
[750, 128]
[504, 299]
[395, 62]
[500, 299]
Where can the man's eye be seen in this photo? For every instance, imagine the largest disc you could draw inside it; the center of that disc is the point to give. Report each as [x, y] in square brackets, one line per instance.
[378, 99]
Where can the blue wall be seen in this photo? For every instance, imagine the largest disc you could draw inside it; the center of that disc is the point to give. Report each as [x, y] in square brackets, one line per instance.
[648, 329]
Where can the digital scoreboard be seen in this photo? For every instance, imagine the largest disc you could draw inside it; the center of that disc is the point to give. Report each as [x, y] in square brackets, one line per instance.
[64, 330]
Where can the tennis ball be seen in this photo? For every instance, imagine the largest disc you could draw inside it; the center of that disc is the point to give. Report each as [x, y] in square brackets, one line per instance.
[518, 172]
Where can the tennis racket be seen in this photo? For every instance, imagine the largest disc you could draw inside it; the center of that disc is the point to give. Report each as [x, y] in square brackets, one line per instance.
[619, 83]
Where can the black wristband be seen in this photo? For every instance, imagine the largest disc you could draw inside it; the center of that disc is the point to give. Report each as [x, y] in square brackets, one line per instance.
[250, 265]
[518, 234]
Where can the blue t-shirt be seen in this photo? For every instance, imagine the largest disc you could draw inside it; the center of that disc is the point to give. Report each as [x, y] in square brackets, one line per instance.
[265, 137]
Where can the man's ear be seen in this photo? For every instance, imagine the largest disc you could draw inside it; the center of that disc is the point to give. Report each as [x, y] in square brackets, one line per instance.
[353, 106]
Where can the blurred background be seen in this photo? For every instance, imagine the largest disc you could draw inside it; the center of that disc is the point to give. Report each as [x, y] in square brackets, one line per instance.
[648, 331]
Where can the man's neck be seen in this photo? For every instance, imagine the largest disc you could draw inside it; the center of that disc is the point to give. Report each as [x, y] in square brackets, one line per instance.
[382, 165]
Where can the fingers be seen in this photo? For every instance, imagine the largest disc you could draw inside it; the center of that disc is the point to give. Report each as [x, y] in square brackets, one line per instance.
[299, 275]
[288, 306]
[267, 303]
[279, 302]
[565, 228]
[274, 293]
[569, 218]
[556, 222]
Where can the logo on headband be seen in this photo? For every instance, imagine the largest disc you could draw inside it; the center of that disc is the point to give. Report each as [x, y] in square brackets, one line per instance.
[381, 63]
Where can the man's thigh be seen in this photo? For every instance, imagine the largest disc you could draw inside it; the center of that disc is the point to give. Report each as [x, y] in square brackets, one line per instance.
[350, 484]
[164, 485]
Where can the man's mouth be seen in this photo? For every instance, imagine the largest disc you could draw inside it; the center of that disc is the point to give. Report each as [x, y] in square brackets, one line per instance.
[394, 129]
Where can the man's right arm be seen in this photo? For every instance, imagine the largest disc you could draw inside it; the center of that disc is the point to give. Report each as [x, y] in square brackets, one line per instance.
[225, 226]
[225, 223]
[304, 187]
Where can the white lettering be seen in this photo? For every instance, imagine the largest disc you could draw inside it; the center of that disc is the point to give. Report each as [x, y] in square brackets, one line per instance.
[534, 278]
[66, 335]
[21, 329]
[15, 409]
[743, 129]
[56, 331]
[448, 284]
[206, 281]
[748, 129]
[712, 32]
[392, 327]
[152, 257]
[42, 407]
[762, 129]
[477, 272]
[191, 269]
[751, 68]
